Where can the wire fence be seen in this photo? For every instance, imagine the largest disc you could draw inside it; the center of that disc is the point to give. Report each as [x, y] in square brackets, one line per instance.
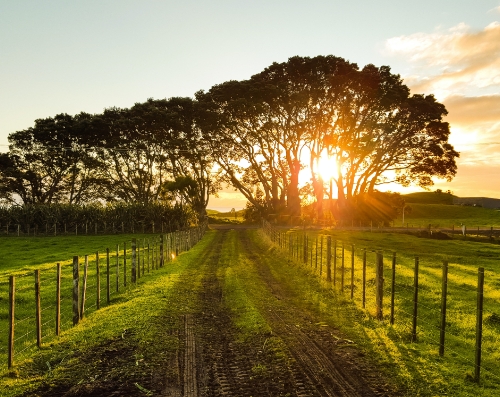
[85, 229]
[35, 307]
[448, 309]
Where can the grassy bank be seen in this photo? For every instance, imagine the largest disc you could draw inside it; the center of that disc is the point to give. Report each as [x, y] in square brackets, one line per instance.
[418, 365]
[441, 215]
[129, 339]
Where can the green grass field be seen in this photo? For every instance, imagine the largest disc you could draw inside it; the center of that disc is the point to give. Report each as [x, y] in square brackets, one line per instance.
[416, 366]
[132, 319]
[448, 375]
[445, 216]
[429, 198]
[236, 217]
[23, 255]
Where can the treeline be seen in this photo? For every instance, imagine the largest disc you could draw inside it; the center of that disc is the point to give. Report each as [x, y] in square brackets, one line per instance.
[152, 152]
[94, 216]
[256, 135]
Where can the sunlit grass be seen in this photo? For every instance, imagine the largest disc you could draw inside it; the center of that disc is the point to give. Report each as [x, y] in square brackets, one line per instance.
[136, 315]
[446, 216]
[418, 365]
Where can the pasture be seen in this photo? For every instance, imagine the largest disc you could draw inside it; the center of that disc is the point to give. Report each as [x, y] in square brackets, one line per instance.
[414, 367]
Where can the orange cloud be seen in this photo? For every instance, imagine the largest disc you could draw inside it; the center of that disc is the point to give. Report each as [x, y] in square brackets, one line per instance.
[466, 110]
[459, 60]
[462, 68]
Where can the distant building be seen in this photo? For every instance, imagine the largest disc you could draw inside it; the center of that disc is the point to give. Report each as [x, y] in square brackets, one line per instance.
[484, 202]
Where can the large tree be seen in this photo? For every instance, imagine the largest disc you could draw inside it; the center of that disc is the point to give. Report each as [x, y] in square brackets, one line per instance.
[380, 134]
[265, 130]
[142, 150]
[48, 163]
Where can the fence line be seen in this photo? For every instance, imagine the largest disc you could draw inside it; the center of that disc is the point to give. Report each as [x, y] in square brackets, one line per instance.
[417, 304]
[40, 308]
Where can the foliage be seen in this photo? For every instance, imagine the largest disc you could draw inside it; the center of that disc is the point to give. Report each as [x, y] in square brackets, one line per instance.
[120, 155]
[364, 119]
[43, 215]
[49, 163]
[256, 134]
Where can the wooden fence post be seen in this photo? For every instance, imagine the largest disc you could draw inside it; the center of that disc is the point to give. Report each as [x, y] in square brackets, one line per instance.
[328, 258]
[479, 322]
[12, 305]
[76, 291]
[38, 311]
[352, 272]
[364, 278]
[305, 248]
[84, 287]
[316, 260]
[143, 259]
[157, 255]
[134, 259]
[148, 255]
[380, 285]
[153, 245]
[444, 293]
[298, 247]
[98, 282]
[393, 286]
[342, 270]
[321, 257]
[117, 267]
[124, 263]
[162, 256]
[58, 300]
[334, 262]
[138, 259]
[108, 278]
[415, 302]
[177, 243]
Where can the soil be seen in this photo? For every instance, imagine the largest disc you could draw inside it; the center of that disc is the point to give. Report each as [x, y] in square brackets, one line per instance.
[298, 358]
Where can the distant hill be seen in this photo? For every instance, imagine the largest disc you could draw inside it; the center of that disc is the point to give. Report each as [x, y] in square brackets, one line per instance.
[429, 198]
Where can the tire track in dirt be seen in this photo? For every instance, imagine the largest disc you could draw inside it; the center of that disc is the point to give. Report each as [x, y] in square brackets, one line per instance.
[224, 368]
[317, 370]
[228, 366]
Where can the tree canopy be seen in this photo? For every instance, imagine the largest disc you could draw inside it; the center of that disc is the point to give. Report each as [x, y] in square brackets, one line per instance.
[364, 120]
[259, 135]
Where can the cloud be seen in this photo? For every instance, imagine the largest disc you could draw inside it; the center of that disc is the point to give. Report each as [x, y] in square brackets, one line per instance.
[462, 68]
[467, 110]
[474, 181]
[456, 60]
[475, 128]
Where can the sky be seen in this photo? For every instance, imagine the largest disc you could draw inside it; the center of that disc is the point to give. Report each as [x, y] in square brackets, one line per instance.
[73, 56]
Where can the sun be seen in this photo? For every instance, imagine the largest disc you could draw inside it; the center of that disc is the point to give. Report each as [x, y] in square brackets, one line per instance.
[327, 167]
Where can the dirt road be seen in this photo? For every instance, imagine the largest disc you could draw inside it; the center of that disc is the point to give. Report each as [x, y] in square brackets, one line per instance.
[289, 352]
[307, 360]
